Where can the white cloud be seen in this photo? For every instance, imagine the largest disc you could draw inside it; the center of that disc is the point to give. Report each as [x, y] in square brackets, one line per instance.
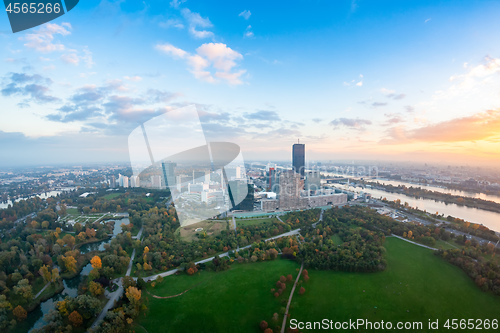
[42, 40]
[387, 91]
[353, 82]
[200, 34]
[171, 50]
[249, 32]
[245, 14]
[427, 20]
[474, 90]
[175, 23]
[133, 78]
[211, 62]
[176, 3]
[71, 58]
[195, 21]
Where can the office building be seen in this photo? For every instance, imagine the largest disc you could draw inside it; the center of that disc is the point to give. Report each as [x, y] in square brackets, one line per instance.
[313, 182]
[299, 158]
[291, 185]
[168, 169]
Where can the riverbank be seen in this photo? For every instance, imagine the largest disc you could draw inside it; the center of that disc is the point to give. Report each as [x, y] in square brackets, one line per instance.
[418, 192]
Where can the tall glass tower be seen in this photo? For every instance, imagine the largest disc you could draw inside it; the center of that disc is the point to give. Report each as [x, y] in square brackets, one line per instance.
[299, 158]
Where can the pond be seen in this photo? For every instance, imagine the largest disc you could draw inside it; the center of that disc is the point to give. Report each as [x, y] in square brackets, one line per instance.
[35, 318]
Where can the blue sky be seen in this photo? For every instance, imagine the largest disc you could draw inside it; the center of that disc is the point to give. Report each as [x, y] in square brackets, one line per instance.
[396, 80]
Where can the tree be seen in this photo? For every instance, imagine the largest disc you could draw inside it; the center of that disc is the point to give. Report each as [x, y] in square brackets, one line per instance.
[55, 274]
[263, 325]
[69, 263]
[45, 273]
[20, 313]
[69, 240]
[134, 296]
[24, 289]
[268, 330]
[90, 232]
[95, 288]
[96, 262]
[75, 318]
[302, 290]
[289, 277]
[77, 227]
[128, 281]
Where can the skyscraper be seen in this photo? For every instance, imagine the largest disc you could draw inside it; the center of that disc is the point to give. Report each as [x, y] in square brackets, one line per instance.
[168, 169]
[299, 158]
[290, 187]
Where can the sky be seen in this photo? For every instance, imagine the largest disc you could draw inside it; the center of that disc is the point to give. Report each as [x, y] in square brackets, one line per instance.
[353, 79]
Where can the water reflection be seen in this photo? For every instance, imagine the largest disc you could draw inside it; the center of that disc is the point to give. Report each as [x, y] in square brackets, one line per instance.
[35, 318]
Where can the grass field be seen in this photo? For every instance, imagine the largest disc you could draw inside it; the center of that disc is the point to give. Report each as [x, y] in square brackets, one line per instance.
[247, 222]
[232, 301]
[211, 227]
[112, 196]
[74, 216]
[336, 239]
[416, 286]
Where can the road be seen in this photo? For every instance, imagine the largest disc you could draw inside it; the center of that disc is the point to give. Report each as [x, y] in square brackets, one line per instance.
[445, 224]
[285, 317]
[41, 291]
[114, 296]
[225, 254]
[234, 224]
[409, 241]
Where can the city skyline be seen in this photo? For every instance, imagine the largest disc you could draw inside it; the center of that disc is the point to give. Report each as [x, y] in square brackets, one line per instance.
[357, 81]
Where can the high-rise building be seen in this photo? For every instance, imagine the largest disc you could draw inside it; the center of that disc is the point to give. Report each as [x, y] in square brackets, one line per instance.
[135, 181]
[156, 181]
[272, 180]
[241, 195]
[290, 186]
[313, 181]
[168, 169]
[122, 180]
[299, 158]
[112, 182]
[233, 172]
[270, 175]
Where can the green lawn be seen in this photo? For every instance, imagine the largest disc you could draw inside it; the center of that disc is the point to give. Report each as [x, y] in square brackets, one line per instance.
[232, 301]
[72, 211]
[336, 239]
[247, 222]
[111, 196]
[416, 286]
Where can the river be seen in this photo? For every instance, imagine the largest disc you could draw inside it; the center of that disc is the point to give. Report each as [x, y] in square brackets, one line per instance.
[43, 195]
[35, 318]
[476, 195]
[475, 215]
